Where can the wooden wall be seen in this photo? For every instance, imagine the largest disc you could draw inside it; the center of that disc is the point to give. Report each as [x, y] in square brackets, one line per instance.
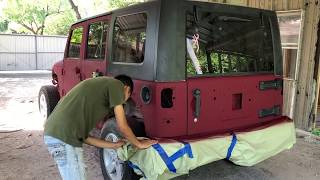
[277, 5]
[308, 78]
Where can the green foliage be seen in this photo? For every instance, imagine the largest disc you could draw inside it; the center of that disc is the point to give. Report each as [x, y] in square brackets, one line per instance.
[122, 3]
[4, 25]
[202, 58]
[316, 132]
[97, 30]
[60, 24]
[202, 61]
[226, 63]
[76, 37]
[32, 14]
[53, 17]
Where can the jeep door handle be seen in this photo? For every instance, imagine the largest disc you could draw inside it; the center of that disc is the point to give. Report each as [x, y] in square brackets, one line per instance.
[77, 69]
[196, 95]
[78, 72]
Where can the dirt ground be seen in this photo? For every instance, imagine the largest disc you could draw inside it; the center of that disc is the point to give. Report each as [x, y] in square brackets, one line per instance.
[24, 156]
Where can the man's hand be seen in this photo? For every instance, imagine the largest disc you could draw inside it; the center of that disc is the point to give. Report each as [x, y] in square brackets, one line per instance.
[146, 143]
[101, 143]
[127, 132]
[118, 144]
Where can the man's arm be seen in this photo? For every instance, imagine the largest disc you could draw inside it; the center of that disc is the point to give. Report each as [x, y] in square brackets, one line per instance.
[126, 130]
[100, 143]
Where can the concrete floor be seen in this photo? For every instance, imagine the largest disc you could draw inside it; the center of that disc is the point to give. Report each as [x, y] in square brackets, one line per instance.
[24, 156]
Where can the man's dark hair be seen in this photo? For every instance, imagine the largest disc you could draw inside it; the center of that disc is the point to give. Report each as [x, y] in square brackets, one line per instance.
[126, 80]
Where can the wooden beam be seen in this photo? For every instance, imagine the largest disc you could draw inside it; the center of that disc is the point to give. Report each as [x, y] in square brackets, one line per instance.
[276, 5]
[317, 77]
[305, 86]
[286, 4]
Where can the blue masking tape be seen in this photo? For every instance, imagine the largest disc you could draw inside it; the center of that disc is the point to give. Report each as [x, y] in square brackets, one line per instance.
[169, 160]
[231, 147]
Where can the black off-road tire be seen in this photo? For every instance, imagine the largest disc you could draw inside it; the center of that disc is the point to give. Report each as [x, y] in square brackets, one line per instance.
[111, 127]
[51, 95]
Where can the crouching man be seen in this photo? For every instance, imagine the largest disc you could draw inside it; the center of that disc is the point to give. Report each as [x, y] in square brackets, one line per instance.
[77, 113]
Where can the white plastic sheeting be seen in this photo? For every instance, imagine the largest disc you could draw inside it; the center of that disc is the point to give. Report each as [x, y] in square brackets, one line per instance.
[170, 159]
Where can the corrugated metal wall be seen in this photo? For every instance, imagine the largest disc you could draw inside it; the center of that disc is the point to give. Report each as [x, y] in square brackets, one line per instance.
[50, 50]
[29, 52]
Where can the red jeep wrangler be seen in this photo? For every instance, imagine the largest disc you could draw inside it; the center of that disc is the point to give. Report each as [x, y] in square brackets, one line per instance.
[199, 68]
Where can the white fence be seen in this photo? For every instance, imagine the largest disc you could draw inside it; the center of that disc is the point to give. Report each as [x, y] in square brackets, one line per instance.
[30, 52]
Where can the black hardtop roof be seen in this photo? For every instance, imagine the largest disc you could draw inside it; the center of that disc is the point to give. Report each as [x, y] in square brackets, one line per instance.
[115, 10]
[165, 62]
[153, 1]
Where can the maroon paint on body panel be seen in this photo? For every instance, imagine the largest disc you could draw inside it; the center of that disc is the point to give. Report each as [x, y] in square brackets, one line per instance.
[159, 121]
[217, 112]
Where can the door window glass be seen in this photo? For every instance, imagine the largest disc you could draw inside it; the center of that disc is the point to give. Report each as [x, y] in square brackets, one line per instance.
[220, 43]
[75, 43]
[96, 44]
[129, 38]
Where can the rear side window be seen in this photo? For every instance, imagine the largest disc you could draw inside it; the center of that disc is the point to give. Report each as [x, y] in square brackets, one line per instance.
[96, 44]
[129, 38]
[75, 43]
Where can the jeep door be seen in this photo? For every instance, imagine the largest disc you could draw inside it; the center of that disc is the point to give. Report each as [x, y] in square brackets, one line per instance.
[233, 68]
[96, 43]
[72, 60]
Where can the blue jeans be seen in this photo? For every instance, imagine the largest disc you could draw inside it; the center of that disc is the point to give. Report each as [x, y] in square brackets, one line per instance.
[68, 158]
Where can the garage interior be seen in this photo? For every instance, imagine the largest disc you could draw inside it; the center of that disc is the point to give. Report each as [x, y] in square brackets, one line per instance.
[300, 36]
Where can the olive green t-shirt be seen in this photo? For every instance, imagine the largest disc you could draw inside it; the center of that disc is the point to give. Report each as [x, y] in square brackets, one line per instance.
[78, 112]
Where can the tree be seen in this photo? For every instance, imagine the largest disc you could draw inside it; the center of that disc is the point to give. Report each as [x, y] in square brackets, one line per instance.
[60, 24]
[32, 14]
[75, 9]
[4, 25]
[123, 3]
[52, 16]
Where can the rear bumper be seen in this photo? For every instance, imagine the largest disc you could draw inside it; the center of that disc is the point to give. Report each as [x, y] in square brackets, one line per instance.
[242, 148]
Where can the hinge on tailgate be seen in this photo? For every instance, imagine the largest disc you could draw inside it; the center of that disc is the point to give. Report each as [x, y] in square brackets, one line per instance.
[274, 84]
[274, 111]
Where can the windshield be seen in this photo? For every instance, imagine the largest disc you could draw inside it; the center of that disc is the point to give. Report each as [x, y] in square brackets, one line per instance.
[220, 43]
